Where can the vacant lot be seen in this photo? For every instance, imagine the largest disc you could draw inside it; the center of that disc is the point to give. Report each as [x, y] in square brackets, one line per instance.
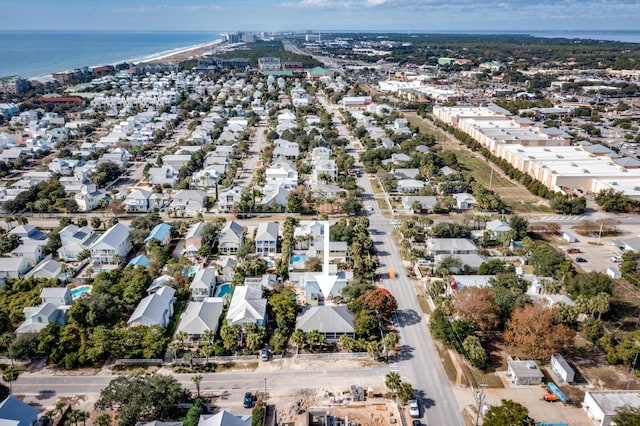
[516, 196]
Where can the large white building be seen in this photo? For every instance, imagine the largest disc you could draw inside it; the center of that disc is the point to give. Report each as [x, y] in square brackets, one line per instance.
[545, 154]
[601, 406]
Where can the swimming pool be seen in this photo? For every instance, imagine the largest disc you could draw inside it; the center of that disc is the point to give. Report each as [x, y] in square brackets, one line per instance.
[79, 291]
[298, 258]
[223, 289]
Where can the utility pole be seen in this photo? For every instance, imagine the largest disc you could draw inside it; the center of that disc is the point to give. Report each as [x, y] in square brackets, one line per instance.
[265, 392]
[632, 369]
[480, 397]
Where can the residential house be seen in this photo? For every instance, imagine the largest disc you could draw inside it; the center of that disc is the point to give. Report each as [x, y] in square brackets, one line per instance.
[32, 251]
[206, 178]
[265, 282]
[602, 406]
[137, 201]
[224, 418]
[13, 267]
[155, 309]
[451, 246]
[406, 173]
[140, 260]
[176, 161]
[200, 317]
[409, 185]
[203, 284]
[320, 153]
[247, 307]
[161, 233]
[14, 412]
[75, 239]
[89, 197]
[331, 321]
[496, 228]
[46, 269]
[464, 201]
[307, 232]
[229, 198]
[193, 241]
[281, 170]
[189, 202]
[54, 306]
[267, 238]
[226, 266]
[286, 149]
[59, 296]
[230, 238]
[163, 176]
[115, 241]
[325, 168]
[28, 232]
[426, 203]
[460, 282]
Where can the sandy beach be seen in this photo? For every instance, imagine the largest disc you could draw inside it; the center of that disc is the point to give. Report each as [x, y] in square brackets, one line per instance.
[185, 54]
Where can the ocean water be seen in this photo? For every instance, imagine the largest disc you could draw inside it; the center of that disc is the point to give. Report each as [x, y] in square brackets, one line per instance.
[37, 53]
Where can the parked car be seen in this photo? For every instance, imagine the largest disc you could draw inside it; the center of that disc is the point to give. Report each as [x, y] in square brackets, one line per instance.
[416, 423]
[616, 259]
[581, 259]
[264, 354]
[249, 400]
[414, 408]
[573, 250]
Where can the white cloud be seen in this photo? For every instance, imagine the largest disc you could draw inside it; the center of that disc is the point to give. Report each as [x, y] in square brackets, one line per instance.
[168, 8]
[373, 3]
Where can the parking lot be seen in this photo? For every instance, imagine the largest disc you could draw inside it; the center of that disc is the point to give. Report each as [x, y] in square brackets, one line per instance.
[597, 251]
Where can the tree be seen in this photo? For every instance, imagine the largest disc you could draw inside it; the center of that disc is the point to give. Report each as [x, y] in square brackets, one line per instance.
[509, 413]
[478, 305]
[545, 260]
[627, 416]
[519, 225]
[102, 420]
[537, 332]
[405, 392]
[299, 339]
[142, 397]
[230, 335]
[10, 375]
[392, 381]
[475, 352]
[96, 222]
[590, 284]
[197, 379]
[380, 301]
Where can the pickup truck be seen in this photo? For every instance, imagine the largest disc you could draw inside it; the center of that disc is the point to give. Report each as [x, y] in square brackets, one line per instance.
[392, 273]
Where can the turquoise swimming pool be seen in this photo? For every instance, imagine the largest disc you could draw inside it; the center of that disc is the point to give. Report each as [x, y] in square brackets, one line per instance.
[223, 289]
[79, 291]
[298, 258]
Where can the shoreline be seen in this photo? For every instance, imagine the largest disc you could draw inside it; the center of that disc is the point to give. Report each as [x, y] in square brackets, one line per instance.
[164, 57]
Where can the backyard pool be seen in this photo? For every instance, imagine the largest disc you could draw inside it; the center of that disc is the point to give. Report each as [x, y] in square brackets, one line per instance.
[298, 258]
[79, 291]
[223, 289]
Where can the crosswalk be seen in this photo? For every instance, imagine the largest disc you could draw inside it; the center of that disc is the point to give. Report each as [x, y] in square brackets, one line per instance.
[561, 218]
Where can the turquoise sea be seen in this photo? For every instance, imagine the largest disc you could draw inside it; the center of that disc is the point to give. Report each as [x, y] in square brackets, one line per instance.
[36, 53]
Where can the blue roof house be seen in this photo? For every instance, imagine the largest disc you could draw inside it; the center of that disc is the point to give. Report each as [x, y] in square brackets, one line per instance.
[17, 413]
[161, 233]
[140, 260]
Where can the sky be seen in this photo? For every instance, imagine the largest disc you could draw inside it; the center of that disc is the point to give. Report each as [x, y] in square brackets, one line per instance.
[321, 15]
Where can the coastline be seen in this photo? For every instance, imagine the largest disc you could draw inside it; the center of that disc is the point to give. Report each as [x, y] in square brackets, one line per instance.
[165, 57]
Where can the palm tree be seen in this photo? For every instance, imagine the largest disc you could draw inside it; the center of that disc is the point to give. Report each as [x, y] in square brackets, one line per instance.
[83, 415]
[60, 405]
[173, 348]
[182, 337]
[10, 375]
[197, 379]
[392, 381]
[298, 338]
[5, 340]
[73, 416]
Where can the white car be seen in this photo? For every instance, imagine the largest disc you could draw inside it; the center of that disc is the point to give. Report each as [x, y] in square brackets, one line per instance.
[616, 259]
[414, 409]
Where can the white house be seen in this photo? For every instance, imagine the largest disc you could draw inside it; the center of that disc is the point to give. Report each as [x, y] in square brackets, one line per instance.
[74, 240]
[601, 406]
[247, 307]
[267, 238]
[203, 284]
[201, 316]
[189, 202]
[464, 201]
[165, 175]
[230, 238]
[562, 369]
[155, 309]
[115, 241]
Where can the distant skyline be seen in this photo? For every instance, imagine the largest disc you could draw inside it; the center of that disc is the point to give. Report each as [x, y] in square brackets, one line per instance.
[321, 15]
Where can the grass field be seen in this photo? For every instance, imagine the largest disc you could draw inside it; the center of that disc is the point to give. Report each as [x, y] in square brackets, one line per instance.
[516, 196]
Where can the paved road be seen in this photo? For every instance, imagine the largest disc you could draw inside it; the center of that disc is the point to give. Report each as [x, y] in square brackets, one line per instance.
[223, 383]
[418, 361]
[256, 144]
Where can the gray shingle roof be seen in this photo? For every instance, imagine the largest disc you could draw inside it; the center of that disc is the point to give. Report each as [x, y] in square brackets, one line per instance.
[325, 319]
